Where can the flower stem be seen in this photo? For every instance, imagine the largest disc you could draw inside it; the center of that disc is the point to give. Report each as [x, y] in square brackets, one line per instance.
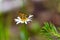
[23, 32]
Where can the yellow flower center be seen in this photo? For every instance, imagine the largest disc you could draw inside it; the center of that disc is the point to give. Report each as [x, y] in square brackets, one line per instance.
[23, 16]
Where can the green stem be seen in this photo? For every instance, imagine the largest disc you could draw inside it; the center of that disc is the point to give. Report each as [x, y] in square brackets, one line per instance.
[24, 32]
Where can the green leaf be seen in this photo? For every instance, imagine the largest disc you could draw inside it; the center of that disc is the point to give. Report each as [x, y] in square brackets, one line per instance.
[51, 29]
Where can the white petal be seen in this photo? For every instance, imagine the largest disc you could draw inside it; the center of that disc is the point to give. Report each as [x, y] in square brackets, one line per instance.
[29, 20]
[25, 22]
[16, 20]
[19, 18]
[30, 16]
[22, 21]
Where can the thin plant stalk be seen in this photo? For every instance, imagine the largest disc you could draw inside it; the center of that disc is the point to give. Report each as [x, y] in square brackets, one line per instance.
[24, 32]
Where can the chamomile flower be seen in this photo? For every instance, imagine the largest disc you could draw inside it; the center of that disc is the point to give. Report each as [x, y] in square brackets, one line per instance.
[23, 18]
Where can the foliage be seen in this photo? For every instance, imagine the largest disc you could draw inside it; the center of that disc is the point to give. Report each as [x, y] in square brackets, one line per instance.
[48, 30]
